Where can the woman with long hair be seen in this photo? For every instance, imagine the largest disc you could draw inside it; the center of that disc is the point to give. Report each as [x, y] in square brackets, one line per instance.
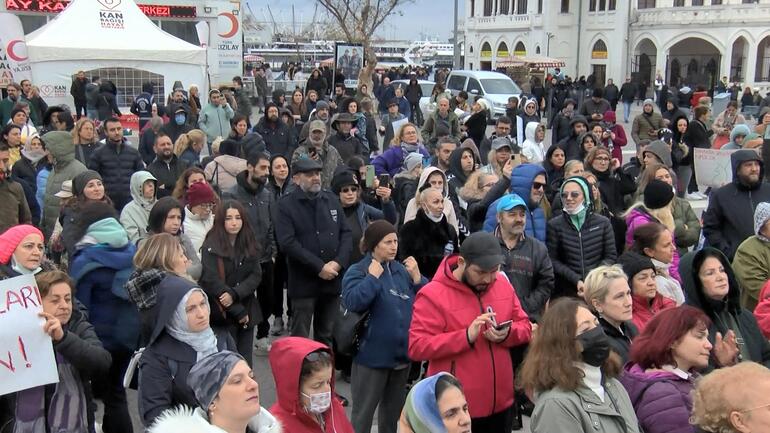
[241, 142]
[231, 274]
[85, 139]
[406, 140]
[167, 216]
[188, 147]
[87, 187]
[554, 161]
[190, 176]
[570, 365]
[613, 182]
[298, 107]
[11, 137]
[655, 241]
[663, 369]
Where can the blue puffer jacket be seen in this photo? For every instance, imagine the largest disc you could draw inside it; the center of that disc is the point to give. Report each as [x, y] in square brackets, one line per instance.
[522, 178]
[100, 273]
[389, 301]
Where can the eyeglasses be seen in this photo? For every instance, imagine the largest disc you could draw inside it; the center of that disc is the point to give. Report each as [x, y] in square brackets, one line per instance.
[348, 189]
[208, 206]
[538, 185]
[602, 159]
[573, 194]
[755, 408]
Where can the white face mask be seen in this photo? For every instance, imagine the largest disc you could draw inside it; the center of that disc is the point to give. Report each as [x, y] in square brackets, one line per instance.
[319, 403]
[577, 209]
[434, 218]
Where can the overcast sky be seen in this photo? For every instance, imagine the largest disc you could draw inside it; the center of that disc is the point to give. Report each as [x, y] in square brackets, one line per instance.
[421, 18]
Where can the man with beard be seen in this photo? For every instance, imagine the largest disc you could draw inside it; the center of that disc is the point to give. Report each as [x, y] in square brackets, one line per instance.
[15, 96]
[166, 167]
[578, 126]
[729, 218]
[317, 148]
[250, 190]
[347, 144]
[321, 113]
[311, 231]
[279, 137]
[472, 342]
[529, 183]
[646, 124]
[116, 161]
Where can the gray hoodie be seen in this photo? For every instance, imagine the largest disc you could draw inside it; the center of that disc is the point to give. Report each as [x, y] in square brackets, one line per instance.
[136, 213]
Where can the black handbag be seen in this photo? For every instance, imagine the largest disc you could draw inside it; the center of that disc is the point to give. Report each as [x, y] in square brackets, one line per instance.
[349, 327]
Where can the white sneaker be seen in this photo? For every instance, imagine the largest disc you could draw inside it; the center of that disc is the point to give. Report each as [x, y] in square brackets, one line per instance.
[262, 346]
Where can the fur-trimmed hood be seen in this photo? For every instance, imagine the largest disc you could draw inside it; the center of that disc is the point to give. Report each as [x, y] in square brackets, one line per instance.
[184, 419]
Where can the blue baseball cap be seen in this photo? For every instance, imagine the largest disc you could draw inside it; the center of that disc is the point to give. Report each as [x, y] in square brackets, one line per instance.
[510, 201]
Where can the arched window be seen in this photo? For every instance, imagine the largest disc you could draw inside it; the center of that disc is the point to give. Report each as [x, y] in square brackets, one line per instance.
[502, 50]
[520, 49]
[486, 51]
[599, 51]
[537, 49]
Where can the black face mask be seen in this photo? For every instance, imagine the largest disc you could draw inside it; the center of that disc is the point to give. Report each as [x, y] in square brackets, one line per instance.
[596, 346]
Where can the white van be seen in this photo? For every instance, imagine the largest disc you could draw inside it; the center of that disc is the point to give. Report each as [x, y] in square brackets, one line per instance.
[493, 86]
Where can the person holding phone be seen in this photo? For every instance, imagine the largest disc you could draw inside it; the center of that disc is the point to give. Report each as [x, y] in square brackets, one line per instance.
[385, 287]
[472, 342]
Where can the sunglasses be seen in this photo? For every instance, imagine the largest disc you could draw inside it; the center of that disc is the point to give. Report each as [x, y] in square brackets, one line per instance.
[538, 185]
[316, 356]
[348, 189]
[573, 194]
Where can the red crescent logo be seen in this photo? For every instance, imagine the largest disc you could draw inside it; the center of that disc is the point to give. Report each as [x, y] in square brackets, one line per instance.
[14, 56]
[233, 25]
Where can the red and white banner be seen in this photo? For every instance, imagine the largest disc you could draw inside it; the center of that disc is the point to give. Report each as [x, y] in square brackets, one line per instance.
[15, 46]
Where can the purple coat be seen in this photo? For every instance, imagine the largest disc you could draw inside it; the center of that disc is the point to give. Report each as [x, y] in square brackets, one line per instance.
[661, 400]
[392, 160]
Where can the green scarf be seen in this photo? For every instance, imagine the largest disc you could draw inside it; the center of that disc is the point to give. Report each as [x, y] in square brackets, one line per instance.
[579, 217]
[108, 231]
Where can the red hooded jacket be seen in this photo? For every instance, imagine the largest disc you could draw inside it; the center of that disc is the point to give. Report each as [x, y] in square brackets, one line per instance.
[643, 310]
[443, 310]
[286, 356]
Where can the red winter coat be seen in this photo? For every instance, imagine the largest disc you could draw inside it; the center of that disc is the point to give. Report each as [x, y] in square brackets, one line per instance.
[762, 311]
[286, 356]
[443, 310]
[643, 311]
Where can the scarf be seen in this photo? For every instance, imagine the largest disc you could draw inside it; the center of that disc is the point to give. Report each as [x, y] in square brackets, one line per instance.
[421, 407]
[66, 411]
[108, 231]
[409, 148]
[204, 342]
[34, 157]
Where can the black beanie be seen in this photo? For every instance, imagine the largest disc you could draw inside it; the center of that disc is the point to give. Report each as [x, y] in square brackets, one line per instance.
[657, 194]
[633, 263]
[375, 232]
[80, 181]
[343, 178]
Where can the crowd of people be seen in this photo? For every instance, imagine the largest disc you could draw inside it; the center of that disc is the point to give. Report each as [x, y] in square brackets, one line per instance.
[514, 277]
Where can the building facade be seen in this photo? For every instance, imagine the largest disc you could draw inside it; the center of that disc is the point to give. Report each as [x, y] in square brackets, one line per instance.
[693, 42]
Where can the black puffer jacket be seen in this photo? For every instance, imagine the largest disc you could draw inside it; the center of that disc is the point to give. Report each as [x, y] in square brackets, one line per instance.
[574, 253]
[116, 163]
[613, 187]
[259, 204]
[620, 338]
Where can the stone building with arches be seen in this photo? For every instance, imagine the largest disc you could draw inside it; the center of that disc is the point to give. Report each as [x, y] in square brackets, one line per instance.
[693, 42]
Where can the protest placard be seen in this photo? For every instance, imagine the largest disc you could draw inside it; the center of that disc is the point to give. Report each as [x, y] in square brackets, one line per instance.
[26, 352]
[713, 167]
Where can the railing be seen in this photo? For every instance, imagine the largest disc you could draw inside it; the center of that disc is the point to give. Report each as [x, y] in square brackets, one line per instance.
[499, 21]
[722, 15]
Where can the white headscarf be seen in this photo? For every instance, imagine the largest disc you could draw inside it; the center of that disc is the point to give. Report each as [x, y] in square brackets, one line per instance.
[204, 342]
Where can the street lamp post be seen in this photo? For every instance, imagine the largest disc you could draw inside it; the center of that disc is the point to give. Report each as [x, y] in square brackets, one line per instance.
[456, 60]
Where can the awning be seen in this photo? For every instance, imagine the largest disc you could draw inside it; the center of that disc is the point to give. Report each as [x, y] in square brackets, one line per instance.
[253, 58]
[532, 62]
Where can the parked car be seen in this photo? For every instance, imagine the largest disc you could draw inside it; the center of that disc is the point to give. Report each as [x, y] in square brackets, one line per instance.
[427, 87]
[495, 87]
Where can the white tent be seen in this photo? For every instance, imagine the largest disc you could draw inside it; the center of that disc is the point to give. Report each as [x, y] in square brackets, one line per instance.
[93, 34]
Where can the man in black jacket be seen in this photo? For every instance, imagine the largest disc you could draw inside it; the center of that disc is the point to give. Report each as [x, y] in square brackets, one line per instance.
[78, 92]
[178, 125]
[527, 264]
[312, 232]
[729, 218]
[279, 137]
[166, 167]
[252, 192]
[627, 94]
[142, 105]
[578, 125]
[116, 161]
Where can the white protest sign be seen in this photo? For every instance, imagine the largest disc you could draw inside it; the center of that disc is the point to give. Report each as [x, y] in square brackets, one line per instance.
[397, 124]
[713, 167]
[26, 352]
